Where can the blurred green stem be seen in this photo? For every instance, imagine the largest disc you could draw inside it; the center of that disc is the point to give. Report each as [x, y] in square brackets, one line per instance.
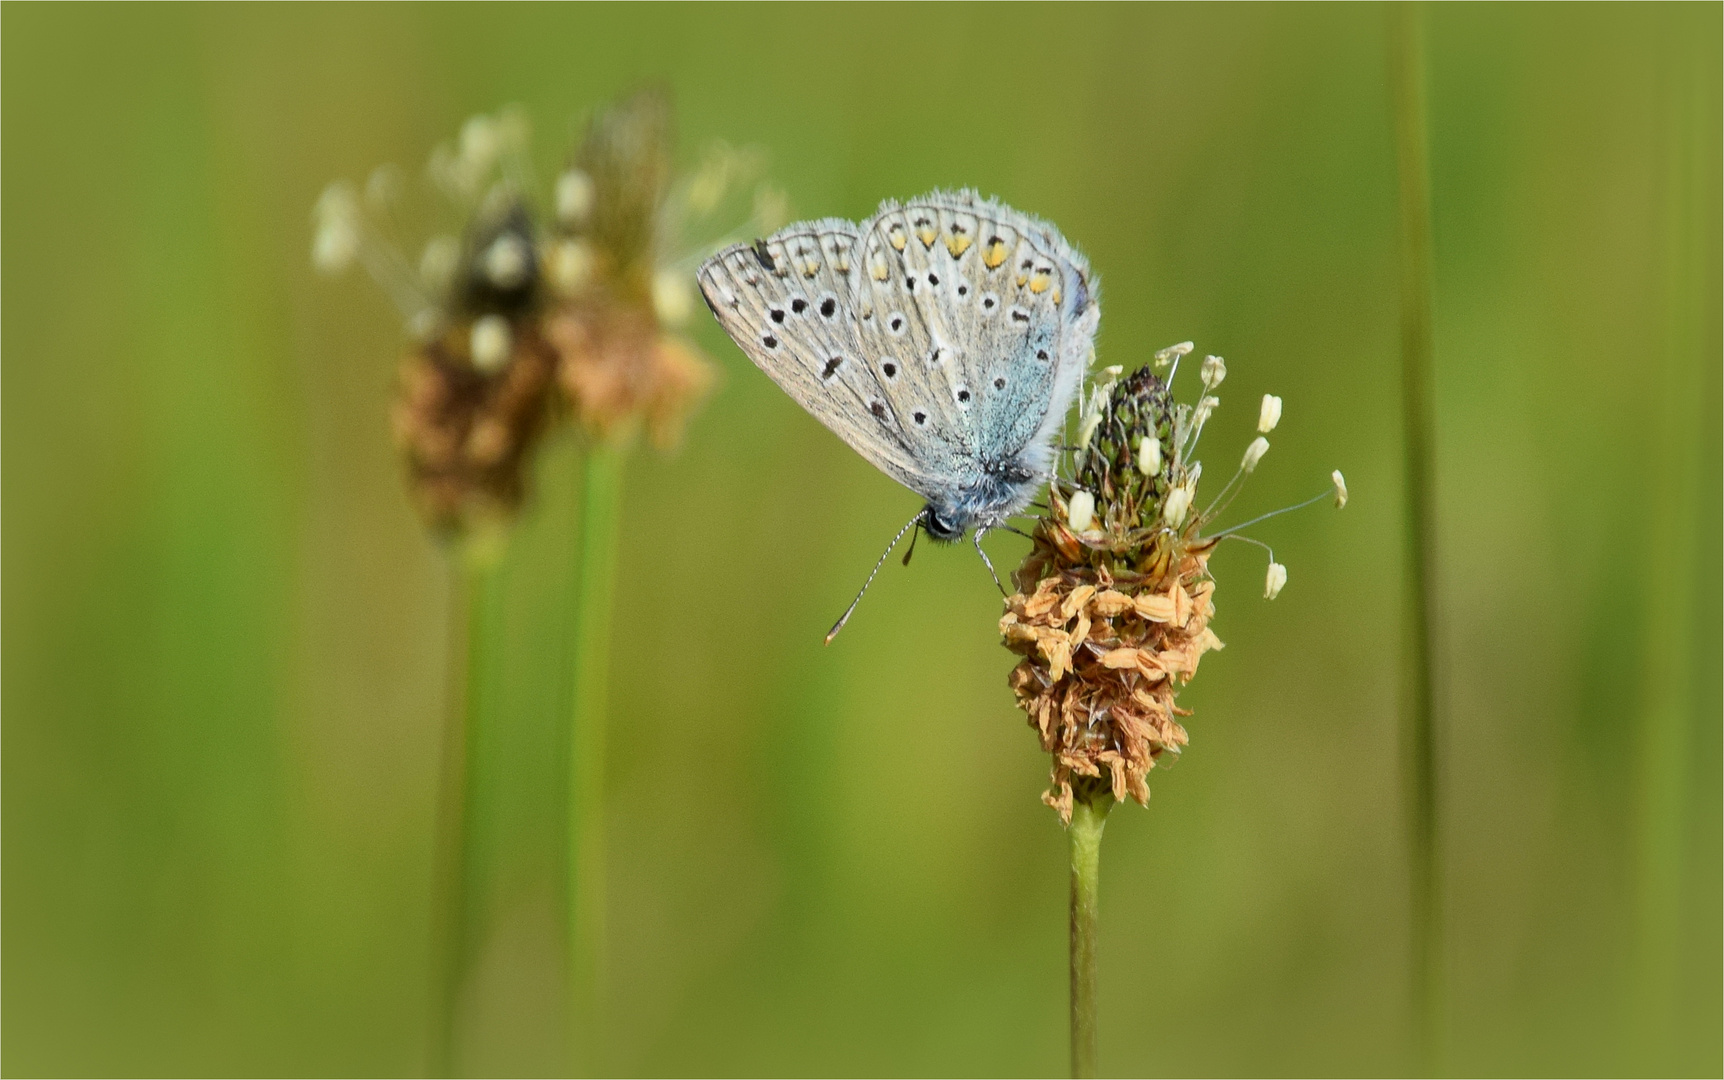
[475, 627]
[595, 588]
[1407, 76]
[1088, 819]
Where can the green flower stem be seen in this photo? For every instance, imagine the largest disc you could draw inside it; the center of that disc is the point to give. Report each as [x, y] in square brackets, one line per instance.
[1419, 613]
[475, 630]
[595, 585]
[1088, 820]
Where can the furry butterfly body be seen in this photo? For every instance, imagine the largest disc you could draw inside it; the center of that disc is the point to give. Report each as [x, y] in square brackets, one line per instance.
[943, 339]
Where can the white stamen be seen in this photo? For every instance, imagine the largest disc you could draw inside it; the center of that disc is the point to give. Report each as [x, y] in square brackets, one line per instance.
[570, 264]
[505, 261]
[1254, 453]
[1270, 414]
[1080, 512]
[490, 344]
[1274, 581]
[438, 263]
[1149, 456]
[334, 247]
[1168, 355]
[574, 197]
[335, 244]
[672, 301]
[1214, 370]
[478, 142]
[1340, 488]
[1178, 504]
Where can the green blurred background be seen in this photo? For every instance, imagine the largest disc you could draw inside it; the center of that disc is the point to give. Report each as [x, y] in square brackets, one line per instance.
[225, 631]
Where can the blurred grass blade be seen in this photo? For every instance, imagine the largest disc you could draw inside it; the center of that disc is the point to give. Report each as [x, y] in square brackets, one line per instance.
[1672, 530]
[1419, 615]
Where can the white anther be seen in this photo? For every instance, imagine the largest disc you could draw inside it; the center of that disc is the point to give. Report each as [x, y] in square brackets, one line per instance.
[1080, 512]
[574, 197]
[1270, 414]
[505, 261]
[490, 344]
[672, 300]
[438, 263]
[335, 243]
[478, 142]
[1149, 456]
[1274, 581]
[1177, 506]
[335, 246]
[570, 265]
[1214, 370]
[1254, 453]
[1340, 488]
[1168, 355]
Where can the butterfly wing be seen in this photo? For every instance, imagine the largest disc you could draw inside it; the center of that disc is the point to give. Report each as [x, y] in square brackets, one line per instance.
[789, 302]
[994, 315]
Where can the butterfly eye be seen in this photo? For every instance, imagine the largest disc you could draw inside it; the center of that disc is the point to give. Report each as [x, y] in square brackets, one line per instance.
[990, 302]
[799, 305]
[829, 306]
[933, 281]
[963, 290]
[895, 323]
[1000, 383]
[769, 341]
[963, 397]
[890, 369]
[778, 315]
[921, 417]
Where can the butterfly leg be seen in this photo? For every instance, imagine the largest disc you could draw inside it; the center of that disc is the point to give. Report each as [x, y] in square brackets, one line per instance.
[989, 563]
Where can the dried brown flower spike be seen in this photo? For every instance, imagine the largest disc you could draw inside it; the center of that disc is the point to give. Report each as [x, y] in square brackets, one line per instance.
[1115, 599]
[608, 265]
[475, 384]
[474, 396]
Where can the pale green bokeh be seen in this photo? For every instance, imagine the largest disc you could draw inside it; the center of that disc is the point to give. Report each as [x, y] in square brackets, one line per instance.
[224, 630]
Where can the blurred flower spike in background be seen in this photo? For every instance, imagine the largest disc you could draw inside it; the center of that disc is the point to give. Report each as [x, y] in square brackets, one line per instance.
[1115, 598]
[627, 238]
[526, 289]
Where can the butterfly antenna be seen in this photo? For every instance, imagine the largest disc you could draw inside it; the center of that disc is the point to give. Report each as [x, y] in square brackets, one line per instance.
[989, 563]
[915, 536]
[844, 618]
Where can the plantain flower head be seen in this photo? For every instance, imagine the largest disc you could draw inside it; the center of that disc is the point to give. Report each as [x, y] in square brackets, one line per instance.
[1112, 610]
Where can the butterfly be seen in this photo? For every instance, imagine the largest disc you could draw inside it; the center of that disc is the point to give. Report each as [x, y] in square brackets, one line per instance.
[943, 339]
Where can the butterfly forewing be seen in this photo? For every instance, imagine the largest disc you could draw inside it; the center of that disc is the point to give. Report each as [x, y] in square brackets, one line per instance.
[789, 302]
[942, 339]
